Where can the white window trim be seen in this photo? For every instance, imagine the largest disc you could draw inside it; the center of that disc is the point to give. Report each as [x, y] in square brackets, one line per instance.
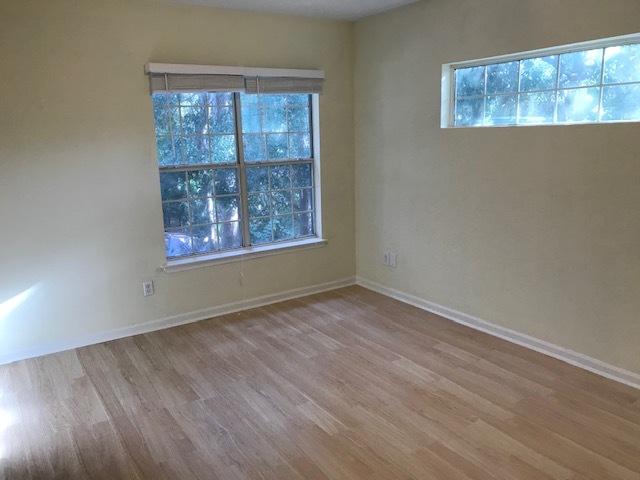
[229, 256]
[248, 253]
[448, 86]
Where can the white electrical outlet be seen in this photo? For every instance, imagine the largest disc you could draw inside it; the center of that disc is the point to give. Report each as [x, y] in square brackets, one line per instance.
[147, 288]
[385, 259]
[393, 260]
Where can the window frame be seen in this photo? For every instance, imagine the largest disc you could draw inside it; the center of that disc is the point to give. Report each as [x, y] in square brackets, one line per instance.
[187, 262]
[448, 97]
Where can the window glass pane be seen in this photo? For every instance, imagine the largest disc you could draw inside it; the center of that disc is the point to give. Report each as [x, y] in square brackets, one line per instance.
[228, 209]
[469, 111]
[277, 146]
[537, 108]
[159, 99]
[580, 68]
[167, 156]
[500, 110]
[197, 98]
[274, 120]
[174, 120]
[226, 181]
[301, 99]
[298, 119]
[202, 211]
[302, 200]
[274, 100]
[173, 185]
[585, 86]
[281, 202]
[200, 183]
[469, 81]
[302, 175]
[230, 235]
[578, 105]
[223, 148]
[259, 205]
[620, 103]
[205, 239]
[502, 78]
[258, 179]
[196, 150]
[303, 224]
[247, 99]
[177, 243]
[282, 228]
[260, 231]
[299, 145]
[219, 99]
[251, 120]
[175, 214]
[254, 147]
[193, 120]
[161, 120]
[221, 120]
[280, 177]
[622, 64]
[202, 208]
[538, 73]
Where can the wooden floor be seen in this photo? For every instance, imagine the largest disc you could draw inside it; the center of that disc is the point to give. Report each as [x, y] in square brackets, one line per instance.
[342, 385]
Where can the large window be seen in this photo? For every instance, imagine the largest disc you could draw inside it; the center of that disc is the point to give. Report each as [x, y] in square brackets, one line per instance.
[237, 169]
[583, 83]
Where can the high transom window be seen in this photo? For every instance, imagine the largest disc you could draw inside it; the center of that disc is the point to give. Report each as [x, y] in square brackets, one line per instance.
[582, 83]
[237, 168]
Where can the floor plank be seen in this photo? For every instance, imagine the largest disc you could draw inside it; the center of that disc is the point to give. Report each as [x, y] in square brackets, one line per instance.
[347, 384]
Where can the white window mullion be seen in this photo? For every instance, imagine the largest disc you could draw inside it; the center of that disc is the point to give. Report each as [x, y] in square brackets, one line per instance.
[242, 171]
[484, 97]
[601, 86]
[557, 92]
[517, 120]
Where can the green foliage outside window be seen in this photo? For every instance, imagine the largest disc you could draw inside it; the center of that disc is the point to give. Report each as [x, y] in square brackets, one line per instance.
[595, 85]
[197, 138]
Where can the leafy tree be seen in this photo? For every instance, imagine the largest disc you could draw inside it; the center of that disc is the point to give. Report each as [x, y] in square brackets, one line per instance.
[201, 208]
[571, 87]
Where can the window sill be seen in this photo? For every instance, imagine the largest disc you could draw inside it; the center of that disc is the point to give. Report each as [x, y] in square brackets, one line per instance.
[191, 263]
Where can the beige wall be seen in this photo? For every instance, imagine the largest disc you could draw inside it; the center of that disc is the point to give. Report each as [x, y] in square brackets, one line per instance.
[533, 228]
[79, 190]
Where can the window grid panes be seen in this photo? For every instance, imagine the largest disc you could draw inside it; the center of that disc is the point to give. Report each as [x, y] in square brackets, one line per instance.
[276, 127]
[585, 86]
[281, 203]
[203, 170]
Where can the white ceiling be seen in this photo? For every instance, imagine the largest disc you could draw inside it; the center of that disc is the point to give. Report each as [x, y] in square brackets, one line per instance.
[339, 9]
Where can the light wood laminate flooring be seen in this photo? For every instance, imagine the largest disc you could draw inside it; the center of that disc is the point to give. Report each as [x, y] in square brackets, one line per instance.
[347, 384]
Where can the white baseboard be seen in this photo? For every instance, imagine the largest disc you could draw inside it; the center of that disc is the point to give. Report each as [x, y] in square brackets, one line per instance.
[569, 356]
[173, 321]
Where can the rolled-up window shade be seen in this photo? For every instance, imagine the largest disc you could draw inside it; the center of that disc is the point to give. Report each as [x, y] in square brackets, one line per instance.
[178, 82]
[283, 85]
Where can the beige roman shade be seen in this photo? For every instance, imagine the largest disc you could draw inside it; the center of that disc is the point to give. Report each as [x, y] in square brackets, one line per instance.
[283, 85]
[199, 78]
[178, 82]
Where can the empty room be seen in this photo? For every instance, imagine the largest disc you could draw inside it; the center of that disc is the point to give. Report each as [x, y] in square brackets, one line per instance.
[320, 239]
